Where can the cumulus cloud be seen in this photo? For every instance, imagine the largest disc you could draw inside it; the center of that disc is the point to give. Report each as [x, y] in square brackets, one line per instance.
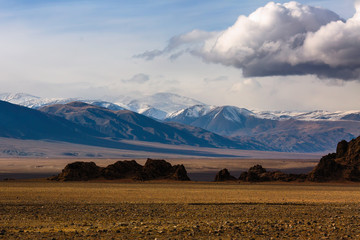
[138, 78]
[279, 40]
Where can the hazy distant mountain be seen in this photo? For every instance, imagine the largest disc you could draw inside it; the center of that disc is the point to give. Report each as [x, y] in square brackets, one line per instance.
[309, 116]
[126, 124]
[35, 102]
[281, 134]
[172, 106]
[164, 102]
[303, 136]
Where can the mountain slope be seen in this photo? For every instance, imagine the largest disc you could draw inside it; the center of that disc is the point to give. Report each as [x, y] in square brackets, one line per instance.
[225, 120]
[281, 135]
[129, 125]
[17, 122]
[25, 123]
[305, 136]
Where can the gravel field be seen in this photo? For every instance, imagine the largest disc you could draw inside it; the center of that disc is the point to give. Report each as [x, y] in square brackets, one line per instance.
[93, 210]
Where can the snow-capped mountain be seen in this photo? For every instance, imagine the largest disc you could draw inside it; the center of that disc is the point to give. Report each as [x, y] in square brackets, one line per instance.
[27, 100]
[154, 113]
[173, 107]
[189, 115]
[309, 116]
[307, 132]
[275, 130]
[159, 102]
[223, 120]
[35, 102]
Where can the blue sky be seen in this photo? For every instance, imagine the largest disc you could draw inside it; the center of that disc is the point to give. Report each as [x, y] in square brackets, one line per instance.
[87, 48]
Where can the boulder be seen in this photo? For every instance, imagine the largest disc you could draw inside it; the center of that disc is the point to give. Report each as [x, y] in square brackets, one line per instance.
[224, 175]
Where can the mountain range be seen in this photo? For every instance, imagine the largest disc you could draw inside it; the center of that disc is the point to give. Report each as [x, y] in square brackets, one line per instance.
[125, 124]
[18, 122]
[285, 134]
[173, 119]
[167, 105]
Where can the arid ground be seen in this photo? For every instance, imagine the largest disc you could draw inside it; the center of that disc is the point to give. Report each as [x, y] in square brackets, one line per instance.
[168, 210]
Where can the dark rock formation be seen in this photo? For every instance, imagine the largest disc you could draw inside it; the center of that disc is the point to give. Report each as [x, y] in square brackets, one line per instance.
[122, 169]
[255, 174]
[153, 169]
[160, 169]
[79, 171]
[259, 174]
[342, 148]
[339, 166]
[179, 174]
[224, 175]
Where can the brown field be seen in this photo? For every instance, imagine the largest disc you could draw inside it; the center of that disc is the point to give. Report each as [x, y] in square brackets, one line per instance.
[168, 210]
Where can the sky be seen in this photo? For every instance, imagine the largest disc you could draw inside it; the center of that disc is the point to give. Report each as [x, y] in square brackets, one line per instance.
[256, 54]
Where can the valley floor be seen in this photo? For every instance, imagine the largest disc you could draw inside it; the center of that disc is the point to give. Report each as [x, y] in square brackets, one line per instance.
[168, 210]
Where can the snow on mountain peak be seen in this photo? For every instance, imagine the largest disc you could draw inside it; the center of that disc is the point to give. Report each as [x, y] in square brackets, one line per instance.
[231, 113]
[316, 115]
[170, 106]
[166, 102]
[192, 112]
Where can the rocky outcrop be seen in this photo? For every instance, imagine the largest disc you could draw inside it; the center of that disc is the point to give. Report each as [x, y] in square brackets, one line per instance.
[160, 169]
[344, 165]
[122, 170]
[79, 171]
[179, 174]
[259, 174]
[152, 170]
[224, 175]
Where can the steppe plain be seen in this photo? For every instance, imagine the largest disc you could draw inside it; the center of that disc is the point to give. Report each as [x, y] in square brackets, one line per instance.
[40, 209]
[123, 209]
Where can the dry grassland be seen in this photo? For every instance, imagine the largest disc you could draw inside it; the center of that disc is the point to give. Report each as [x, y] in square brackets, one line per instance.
[167, 210]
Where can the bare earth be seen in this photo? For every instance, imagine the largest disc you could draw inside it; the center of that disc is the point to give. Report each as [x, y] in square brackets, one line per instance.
[168, 210]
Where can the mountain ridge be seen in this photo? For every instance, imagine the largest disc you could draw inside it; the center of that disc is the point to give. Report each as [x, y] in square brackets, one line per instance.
[125, 124]
[161, 105]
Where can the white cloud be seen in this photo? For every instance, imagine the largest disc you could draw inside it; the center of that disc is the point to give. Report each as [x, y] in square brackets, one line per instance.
[357, 5]
[246, 85]
[279, 40]
[177, 43]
